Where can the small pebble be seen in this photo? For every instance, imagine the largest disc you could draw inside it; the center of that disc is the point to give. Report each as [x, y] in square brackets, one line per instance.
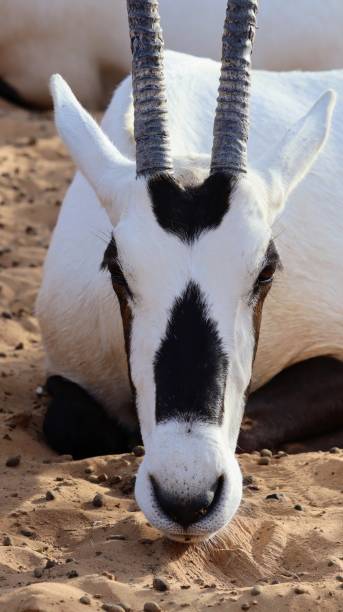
[49, 496]
[19, 346]
[256, 590]
[102, 477]
[92, 478]
[38, 572]
[27, 533]
[6, 315]
[89, 470]
[151, 606]
[339, 578]
[299, 590]
[117, 536]
[277, 496]
[50, 563]
[298, 507]
[253, 487]
[85, 600]
[265, 452]
[280, 454]
[73, 574]
[109, 576]
[98, 501]
[7, 541]
[331, 563]
[334, 450]
[160, 584]
[138, 451]
[248, 479]
[108, 607]
[40, 391]
[245, 606]
[115, 480]
[13, 461]
[264, 461]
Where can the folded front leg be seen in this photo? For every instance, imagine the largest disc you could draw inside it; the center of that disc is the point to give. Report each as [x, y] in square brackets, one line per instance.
[302, 403]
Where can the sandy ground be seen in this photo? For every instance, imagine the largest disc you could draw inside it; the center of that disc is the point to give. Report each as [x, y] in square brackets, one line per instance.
[63, 553]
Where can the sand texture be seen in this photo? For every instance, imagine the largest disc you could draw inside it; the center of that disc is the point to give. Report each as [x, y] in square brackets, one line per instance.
[58, 551]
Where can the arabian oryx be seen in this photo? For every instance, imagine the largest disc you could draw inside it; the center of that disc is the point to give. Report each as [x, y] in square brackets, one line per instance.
[164, 253]
[87, 41]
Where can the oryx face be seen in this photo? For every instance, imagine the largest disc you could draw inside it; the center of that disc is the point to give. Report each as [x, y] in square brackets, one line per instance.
[191, 263]
[191, 268]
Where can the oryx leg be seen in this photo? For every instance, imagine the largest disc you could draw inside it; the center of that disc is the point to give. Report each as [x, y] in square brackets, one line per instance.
[77, 425]
[302, 405]
[325, 442]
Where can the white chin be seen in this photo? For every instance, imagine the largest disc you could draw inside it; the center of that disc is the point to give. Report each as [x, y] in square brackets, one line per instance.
[188, 538]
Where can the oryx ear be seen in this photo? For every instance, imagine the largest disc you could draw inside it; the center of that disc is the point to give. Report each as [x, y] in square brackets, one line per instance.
[293, 157]
[93, 152]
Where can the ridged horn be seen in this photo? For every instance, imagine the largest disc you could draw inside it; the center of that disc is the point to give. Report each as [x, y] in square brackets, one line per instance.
[153, 154]
[231, 123]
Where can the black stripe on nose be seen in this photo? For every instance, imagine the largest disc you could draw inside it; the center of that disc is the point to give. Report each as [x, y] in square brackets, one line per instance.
[190, 366]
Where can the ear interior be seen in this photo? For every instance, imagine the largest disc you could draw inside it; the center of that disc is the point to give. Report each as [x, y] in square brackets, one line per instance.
[290, 161]
[93, 152]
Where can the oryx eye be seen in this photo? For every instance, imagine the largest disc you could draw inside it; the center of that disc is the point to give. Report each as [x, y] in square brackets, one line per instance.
[271, 264]
[266, 275]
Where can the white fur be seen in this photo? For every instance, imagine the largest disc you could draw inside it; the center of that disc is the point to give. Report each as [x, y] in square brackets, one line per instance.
[77, 308]
[87, 40]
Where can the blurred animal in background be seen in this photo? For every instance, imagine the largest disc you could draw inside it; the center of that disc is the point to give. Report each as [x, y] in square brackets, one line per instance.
[87, 41]
[166, 249]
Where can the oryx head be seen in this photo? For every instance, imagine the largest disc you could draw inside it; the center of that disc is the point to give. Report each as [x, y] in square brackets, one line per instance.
[191, 265]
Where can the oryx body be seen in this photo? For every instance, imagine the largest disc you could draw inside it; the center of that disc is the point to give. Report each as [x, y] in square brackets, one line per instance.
[80, 315]
[159, 299]
[87, 40]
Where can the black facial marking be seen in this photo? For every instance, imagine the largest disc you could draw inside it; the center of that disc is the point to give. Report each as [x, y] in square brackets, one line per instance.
[111, 263]
[190, 366]
[122, 290]
[110, 255]
[189, 211]
[261, 288]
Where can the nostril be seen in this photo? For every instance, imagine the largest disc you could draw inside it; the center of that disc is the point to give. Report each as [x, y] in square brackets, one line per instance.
[186, 511]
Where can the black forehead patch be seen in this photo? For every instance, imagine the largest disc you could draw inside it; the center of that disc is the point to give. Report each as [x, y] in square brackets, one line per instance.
[190, 366]
[189, 211]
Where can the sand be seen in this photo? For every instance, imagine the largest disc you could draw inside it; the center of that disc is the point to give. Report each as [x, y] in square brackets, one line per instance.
[109, 554]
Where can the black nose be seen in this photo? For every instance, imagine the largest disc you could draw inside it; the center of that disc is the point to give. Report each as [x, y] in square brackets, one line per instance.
[186, 511]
